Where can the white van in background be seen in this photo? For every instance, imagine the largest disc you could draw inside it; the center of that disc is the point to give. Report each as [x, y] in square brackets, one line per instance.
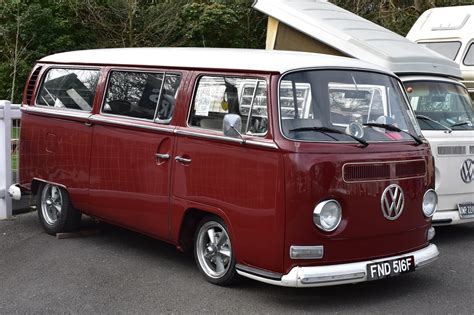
[442, 103]
[450, 32]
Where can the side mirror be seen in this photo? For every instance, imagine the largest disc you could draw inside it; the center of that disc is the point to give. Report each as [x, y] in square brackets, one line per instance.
[232, 126]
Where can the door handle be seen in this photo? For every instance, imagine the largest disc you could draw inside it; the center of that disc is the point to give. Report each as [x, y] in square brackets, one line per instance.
[161, 156]
[88, 124]
[182, 160]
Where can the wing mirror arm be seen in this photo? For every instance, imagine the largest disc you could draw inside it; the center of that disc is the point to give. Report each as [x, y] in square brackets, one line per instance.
[232, 127]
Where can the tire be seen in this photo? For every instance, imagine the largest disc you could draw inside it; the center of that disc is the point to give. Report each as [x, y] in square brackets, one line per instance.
[55, 210]
[214, 258]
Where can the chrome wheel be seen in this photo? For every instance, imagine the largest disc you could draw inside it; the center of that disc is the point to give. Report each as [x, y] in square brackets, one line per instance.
[51, 203]
[213, 249]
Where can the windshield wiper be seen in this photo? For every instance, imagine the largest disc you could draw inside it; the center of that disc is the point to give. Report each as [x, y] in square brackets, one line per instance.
[331, 130]
[462, 123]
[423, 117]
[396, 129]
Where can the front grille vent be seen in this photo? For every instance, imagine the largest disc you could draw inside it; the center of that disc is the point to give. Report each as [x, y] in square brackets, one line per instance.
[31, 85]
[410, 169]
[471, 149]
[452, 150]
[357, 172]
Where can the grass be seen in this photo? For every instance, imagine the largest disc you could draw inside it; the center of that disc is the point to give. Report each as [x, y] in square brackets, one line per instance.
[15, 135]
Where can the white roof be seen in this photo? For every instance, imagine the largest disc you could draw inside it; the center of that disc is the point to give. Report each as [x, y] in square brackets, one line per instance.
[444, 23]
[207, 58]
[357, 37]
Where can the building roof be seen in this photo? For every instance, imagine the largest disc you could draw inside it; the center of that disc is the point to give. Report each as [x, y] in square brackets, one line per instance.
[207, 58]
[357, 37]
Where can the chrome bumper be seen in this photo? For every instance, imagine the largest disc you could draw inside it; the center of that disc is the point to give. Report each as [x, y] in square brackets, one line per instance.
[14, 192]
[342, 273]
[447, 217]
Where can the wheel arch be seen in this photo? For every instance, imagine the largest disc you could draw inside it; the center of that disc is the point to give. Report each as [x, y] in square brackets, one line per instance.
[36, 183]
[189, 223]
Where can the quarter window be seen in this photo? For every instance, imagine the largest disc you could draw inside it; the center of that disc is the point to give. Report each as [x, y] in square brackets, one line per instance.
[69, 89]
[217, 96]
[469, 59]
[142, 95]
[448, 49]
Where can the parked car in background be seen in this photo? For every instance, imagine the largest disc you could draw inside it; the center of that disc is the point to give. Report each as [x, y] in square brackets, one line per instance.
[440, 100]
[270, 165]
[450, 32]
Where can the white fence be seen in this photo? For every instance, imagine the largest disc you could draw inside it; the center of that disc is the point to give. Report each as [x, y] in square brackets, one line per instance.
[10, 116]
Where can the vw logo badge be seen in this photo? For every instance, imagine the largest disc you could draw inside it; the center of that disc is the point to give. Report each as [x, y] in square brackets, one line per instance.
[467, 171]
[393, 201]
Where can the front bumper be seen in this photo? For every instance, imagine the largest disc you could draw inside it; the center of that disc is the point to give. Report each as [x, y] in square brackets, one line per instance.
[448, 217]
[342, 273]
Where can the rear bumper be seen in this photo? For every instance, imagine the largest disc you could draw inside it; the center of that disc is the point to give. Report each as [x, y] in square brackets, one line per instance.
[15, 192]
[340, 274]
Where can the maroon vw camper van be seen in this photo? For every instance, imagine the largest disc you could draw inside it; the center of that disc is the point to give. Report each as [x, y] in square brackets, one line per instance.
[294, 169]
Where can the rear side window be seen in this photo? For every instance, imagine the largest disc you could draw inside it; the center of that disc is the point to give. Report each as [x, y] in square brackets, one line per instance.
[469, 59]
[68, 89]
[144, 95]
[217, 96]
[448, 49]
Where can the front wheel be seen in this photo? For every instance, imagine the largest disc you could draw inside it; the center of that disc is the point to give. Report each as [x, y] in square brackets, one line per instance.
[213, 251]
[55, 211]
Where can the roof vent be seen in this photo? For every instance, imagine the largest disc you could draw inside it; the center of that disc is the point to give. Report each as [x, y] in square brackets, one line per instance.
[31, 85]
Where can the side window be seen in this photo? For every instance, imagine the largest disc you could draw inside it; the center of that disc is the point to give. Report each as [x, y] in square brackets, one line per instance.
[217, 96]
[68, 89]
[142, 95]
[469, 59]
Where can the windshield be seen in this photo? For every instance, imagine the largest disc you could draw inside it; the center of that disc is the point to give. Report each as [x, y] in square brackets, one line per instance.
[332, 104]
[448, 104]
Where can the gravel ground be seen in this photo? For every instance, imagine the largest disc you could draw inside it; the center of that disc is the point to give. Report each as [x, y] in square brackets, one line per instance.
[117, 271]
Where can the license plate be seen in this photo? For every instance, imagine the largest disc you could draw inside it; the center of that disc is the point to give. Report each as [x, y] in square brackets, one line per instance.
[466, 210]
[390, 268]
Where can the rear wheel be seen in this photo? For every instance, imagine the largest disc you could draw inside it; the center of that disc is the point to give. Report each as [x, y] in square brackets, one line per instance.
[55, 211]
[213, 251]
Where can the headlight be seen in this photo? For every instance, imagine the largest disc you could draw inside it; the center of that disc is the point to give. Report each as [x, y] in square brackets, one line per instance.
[430, 202]
[327, 215]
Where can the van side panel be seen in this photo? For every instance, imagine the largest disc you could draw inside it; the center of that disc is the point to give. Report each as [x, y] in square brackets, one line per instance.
[242, 184]
[129, 185]
[56, 149]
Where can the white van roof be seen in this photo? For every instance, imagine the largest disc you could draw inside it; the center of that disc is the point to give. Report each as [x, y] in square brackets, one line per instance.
[208, 58]
[357, 37]
[444, 23]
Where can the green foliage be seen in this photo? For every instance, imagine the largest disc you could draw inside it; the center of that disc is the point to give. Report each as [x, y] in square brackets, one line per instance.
[31, 29]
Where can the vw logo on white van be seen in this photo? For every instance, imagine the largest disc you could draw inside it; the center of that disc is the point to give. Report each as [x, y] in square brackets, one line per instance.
[467, 171]
[393, 201]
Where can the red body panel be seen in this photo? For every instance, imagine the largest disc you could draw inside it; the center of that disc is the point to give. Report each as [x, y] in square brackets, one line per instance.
[265, 193]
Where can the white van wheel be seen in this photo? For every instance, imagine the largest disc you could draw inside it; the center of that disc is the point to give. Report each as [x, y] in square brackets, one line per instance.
[55, 211]
[213, 251]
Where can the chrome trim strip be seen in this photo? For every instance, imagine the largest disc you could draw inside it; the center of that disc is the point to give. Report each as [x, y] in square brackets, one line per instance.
[259, 272]
[132, 124]
[381, 162]
[267, 145]
[66, 113]
[318, 276]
